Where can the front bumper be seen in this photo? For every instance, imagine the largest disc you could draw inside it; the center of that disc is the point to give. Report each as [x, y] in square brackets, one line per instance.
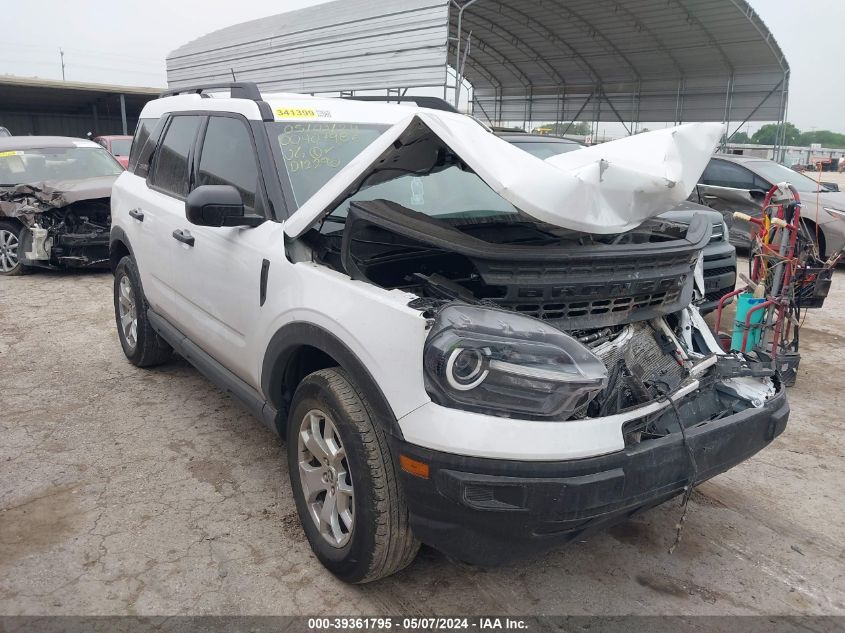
[73, 250]
[491, 511]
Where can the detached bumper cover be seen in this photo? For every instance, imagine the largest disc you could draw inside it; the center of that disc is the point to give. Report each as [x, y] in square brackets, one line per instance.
[489, 512]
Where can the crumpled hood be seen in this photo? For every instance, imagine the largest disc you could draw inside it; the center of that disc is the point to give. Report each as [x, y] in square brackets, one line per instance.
[24, 201]
[608, 188]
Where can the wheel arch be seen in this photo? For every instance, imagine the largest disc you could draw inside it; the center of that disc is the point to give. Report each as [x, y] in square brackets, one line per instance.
[12, 220]
[119, 247]
[812, 227]
[300, 348]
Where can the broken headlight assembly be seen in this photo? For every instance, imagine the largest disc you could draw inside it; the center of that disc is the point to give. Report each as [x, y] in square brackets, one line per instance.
[505, 364]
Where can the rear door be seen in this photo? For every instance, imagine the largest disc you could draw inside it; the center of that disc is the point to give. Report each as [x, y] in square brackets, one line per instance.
[164, 210]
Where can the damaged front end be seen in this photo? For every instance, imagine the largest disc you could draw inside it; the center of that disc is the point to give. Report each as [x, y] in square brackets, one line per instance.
[533, 321]
[571, 379]
[552, 289]
[65, 224]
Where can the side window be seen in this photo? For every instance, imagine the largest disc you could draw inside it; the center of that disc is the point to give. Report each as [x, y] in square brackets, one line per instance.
[142, 135]
[228, 158]
[170, 165]
[721, 173]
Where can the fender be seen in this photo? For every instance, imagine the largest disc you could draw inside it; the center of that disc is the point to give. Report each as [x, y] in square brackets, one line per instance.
[285, 343]
[118, 236]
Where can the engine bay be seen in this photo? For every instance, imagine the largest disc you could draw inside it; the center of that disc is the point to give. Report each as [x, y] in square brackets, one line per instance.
[626, 298]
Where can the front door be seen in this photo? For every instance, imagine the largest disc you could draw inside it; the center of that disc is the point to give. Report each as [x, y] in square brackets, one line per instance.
[217, 274]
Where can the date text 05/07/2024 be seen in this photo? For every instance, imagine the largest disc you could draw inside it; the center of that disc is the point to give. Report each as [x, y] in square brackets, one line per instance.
[415, 623]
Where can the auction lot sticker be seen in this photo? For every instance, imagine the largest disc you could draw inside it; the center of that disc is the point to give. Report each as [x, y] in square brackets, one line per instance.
[302, 113]
[11, 153]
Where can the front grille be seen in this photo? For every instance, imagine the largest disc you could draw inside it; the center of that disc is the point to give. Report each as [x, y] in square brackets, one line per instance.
[621, 307]
[713, 297]
[722, 270]
[718, 233]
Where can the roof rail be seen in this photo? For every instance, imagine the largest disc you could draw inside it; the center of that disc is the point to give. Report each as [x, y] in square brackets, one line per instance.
[433, 103]
[237, 90]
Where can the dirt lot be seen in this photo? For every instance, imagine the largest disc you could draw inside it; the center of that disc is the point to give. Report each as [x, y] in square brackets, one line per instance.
[128, 491]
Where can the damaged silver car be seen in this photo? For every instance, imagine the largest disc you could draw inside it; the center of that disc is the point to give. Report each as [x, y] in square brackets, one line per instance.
[54, 203]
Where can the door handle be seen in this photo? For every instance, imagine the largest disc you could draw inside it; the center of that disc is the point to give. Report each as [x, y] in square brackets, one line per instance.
[137, 214]
[183, 236]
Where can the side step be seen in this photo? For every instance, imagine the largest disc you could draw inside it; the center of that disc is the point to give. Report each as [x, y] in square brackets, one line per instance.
[215, 372]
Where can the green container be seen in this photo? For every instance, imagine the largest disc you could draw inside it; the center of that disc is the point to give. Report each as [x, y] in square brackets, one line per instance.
[744, 303]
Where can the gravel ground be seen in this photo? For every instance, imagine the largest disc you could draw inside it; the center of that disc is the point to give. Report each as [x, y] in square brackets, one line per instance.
[130, 491]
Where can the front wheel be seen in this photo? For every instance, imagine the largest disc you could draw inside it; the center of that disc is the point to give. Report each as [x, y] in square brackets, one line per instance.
[10, 233]
[344, 481]
[140, 342]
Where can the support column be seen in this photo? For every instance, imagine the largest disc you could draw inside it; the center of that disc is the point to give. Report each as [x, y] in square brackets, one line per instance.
[123, 114]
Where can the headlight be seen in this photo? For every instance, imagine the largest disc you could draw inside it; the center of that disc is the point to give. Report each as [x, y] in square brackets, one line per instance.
[505, 364]
[837, 213]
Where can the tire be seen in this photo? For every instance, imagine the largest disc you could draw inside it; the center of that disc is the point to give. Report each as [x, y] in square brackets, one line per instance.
[816, 235]
[10, 236]
[148, 348]
[379, 541]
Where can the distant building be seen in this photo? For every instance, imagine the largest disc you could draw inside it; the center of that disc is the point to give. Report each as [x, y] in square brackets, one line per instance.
[827, 157]
[30, 105]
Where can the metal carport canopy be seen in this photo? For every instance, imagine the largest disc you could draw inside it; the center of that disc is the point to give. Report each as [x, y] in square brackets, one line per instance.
[602, 60]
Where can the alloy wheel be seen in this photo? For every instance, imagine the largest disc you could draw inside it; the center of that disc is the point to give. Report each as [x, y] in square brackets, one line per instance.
[127, 311]
[8, 251]
[325, 478]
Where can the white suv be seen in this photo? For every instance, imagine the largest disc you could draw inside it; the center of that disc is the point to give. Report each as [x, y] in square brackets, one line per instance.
[448, 359]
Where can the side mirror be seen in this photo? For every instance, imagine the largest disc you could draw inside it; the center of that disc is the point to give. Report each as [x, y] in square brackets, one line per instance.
[218, 205]
[831, 186]
[757, 194]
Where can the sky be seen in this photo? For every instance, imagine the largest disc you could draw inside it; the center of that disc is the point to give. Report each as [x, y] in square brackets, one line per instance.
[125, 42]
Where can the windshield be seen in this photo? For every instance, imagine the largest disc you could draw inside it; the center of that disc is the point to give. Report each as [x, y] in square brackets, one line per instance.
[776, 173]
[547, 149]
[60, 163]
[314, 152]
[120, 146]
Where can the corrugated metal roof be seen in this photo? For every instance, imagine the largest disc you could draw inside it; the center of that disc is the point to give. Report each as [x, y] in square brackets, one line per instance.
[343, 45]
[644, 60]
[651, 60]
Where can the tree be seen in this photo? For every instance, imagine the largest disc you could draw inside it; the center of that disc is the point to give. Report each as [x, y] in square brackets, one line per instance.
[767, 134]
[578, 128]
[740, 137]
[834, 140]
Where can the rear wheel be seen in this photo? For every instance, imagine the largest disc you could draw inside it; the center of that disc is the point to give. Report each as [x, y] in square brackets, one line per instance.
[344, 481]
[9, 243]
[141, 344]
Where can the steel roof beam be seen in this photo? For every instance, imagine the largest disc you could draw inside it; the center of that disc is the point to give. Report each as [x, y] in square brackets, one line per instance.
[517, 42]
[596, 31]
[691, 19]
[642, 28]
[541, 30]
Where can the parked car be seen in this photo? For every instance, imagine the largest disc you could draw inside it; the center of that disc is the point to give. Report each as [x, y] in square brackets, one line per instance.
[736, 183]
[5, 131]
[447, 367]
[117, 146]
[54, 202]
[719, 254]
